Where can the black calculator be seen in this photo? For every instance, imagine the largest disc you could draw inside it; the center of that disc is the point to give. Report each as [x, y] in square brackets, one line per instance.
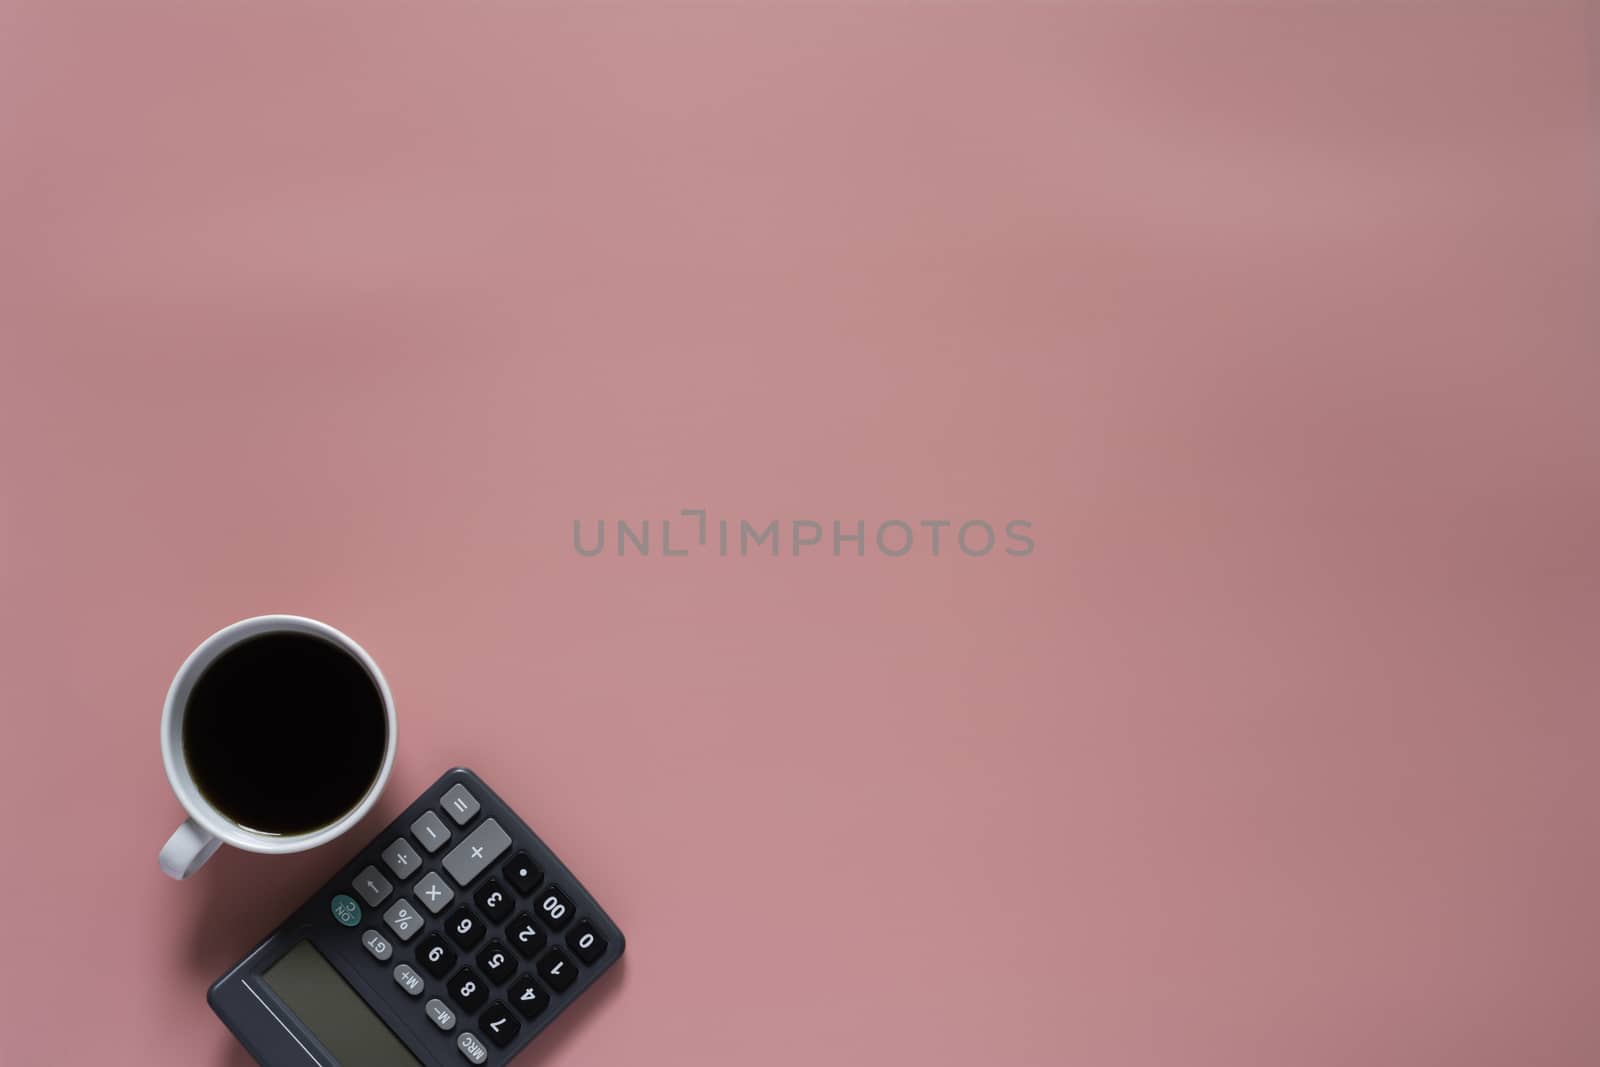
[453, 938]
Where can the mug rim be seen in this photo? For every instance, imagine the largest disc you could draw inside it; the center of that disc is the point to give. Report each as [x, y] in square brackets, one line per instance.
[182, 782]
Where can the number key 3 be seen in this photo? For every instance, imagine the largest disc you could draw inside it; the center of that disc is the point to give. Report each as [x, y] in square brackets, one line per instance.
[494, 900]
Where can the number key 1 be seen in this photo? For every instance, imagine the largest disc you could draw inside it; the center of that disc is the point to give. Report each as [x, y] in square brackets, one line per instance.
[557, 968]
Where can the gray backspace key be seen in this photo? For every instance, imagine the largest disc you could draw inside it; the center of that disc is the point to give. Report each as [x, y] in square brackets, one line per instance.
[482, 847]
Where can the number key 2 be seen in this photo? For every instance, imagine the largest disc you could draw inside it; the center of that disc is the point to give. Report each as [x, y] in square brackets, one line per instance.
[494, 900]
[526, 936]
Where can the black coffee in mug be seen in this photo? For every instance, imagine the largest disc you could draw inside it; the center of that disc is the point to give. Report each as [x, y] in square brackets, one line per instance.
[284, 733]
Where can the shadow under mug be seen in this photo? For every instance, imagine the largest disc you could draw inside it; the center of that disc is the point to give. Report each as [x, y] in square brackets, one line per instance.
[208, 829]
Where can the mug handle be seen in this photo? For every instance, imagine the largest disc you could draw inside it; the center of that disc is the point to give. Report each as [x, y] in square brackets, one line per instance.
[187, 850]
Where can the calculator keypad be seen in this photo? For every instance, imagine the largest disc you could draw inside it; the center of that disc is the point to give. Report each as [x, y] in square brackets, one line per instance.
[501, 943]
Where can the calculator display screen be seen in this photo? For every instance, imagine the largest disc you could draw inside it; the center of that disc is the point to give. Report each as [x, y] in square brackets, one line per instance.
[333, 1012]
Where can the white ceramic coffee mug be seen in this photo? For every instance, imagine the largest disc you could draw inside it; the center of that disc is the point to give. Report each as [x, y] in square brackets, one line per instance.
[208, 829]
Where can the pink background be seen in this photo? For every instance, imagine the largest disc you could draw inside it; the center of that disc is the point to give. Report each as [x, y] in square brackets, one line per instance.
[1278, 323]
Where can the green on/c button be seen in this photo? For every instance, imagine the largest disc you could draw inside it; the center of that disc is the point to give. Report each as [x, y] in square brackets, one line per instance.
[346, 910]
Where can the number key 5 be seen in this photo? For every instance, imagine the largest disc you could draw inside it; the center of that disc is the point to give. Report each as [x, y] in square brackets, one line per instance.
[497, 962]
